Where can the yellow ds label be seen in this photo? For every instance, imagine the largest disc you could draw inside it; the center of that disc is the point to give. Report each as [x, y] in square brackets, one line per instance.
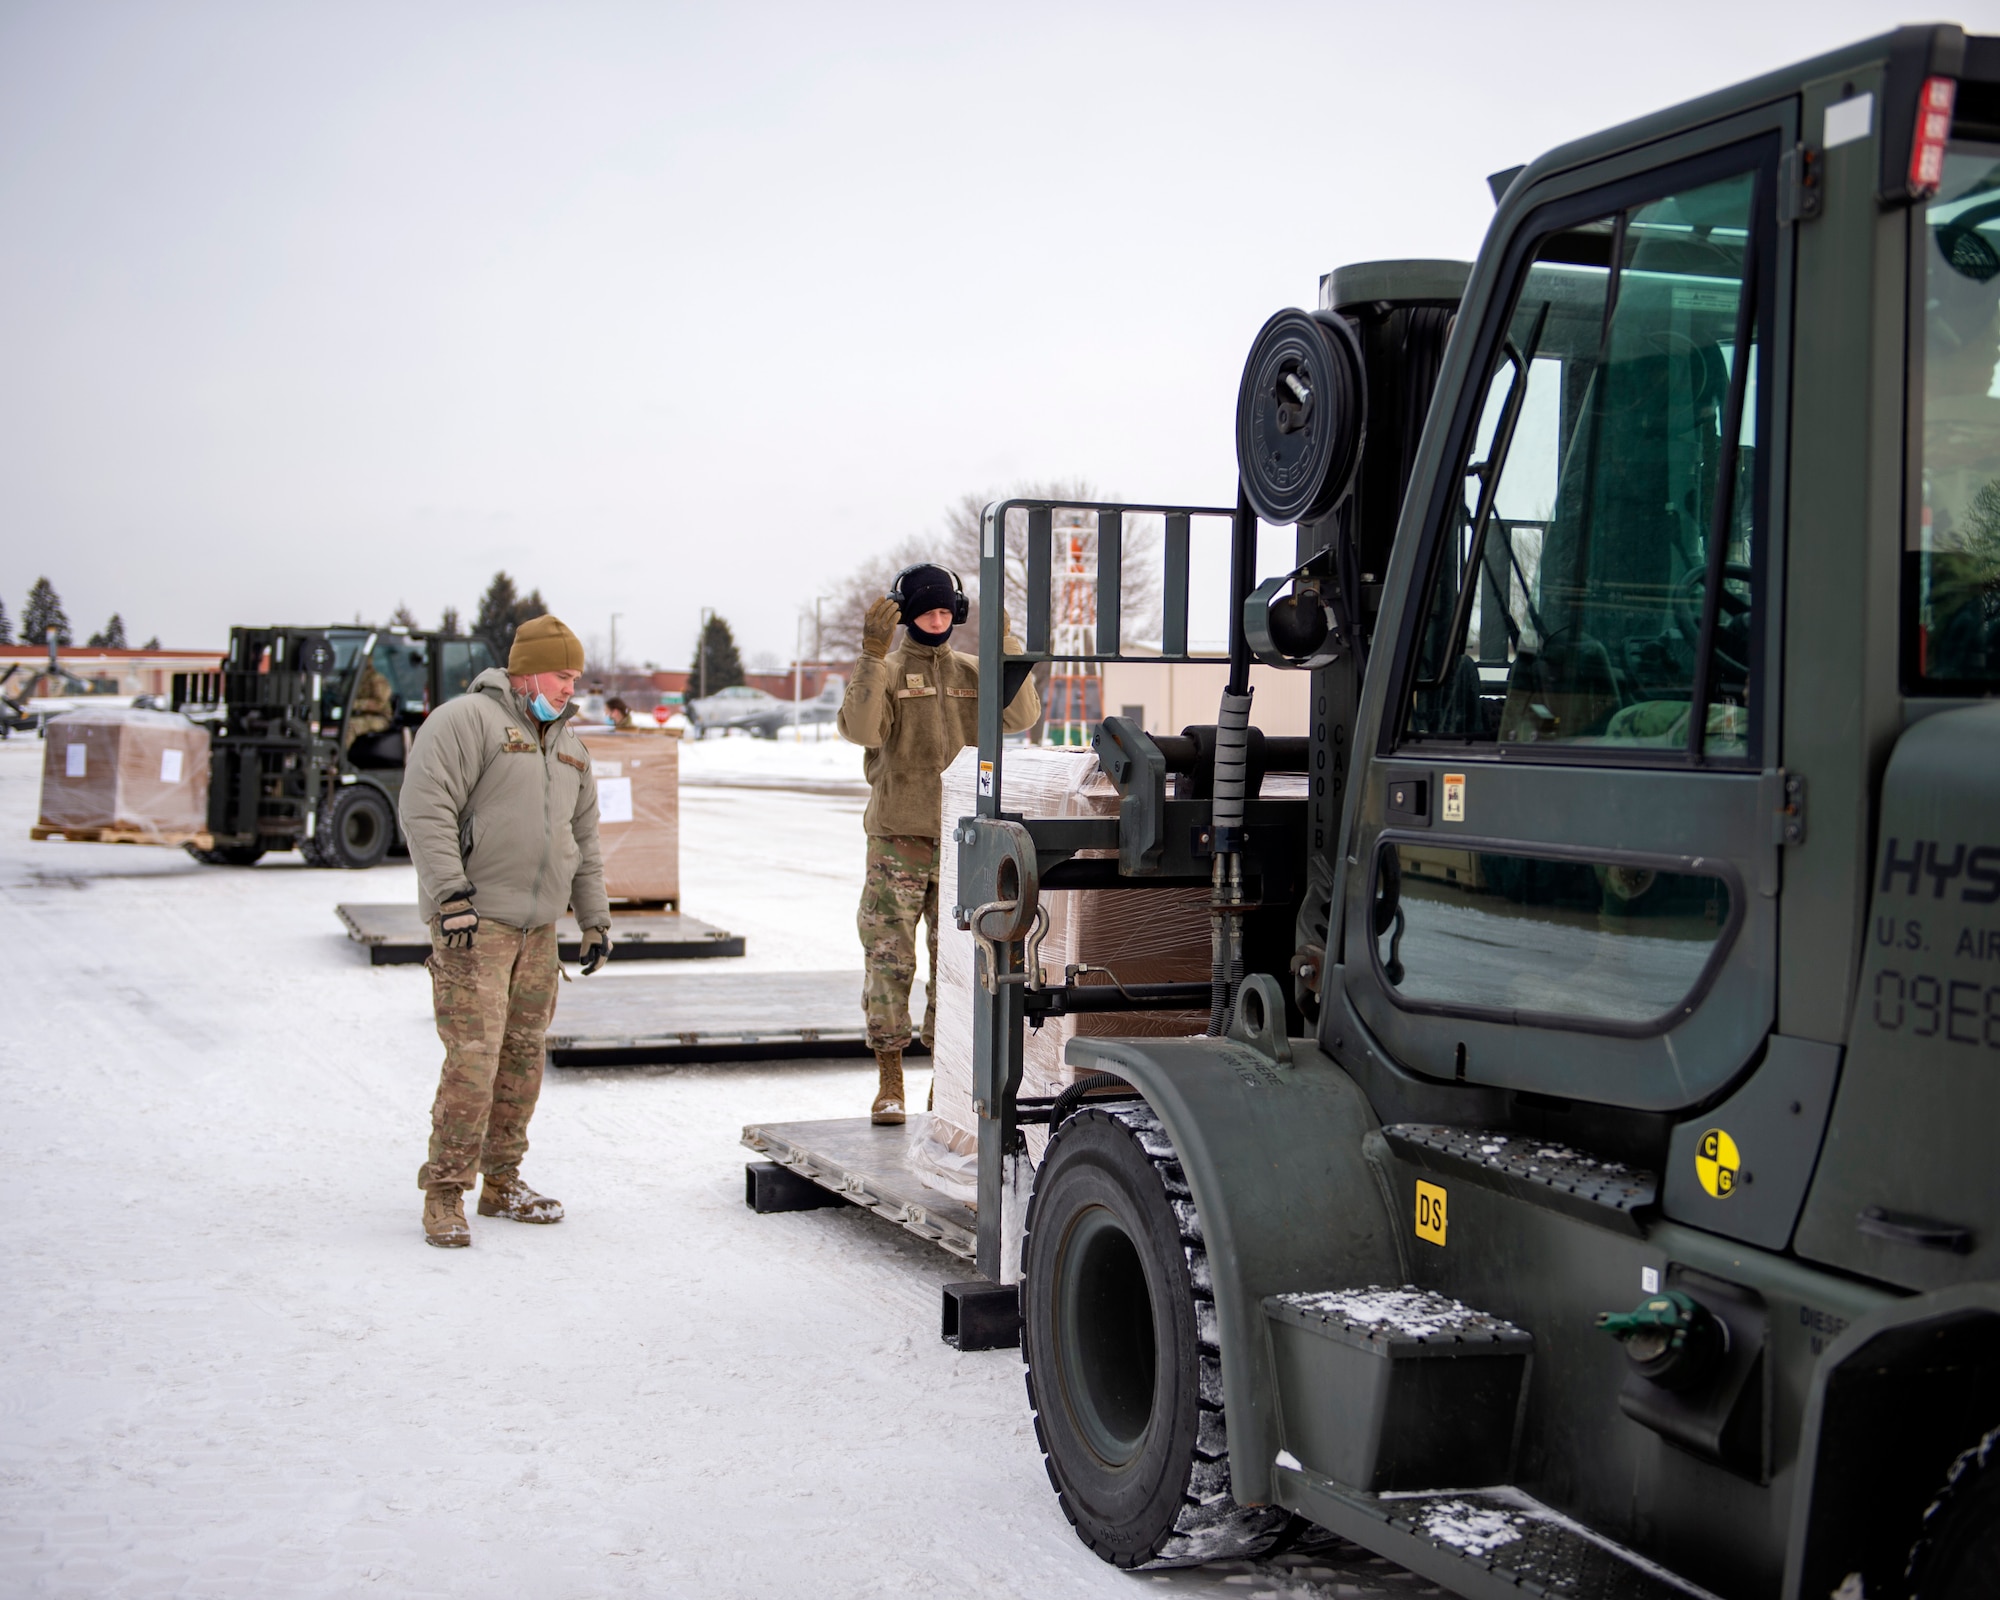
[1430, 1212]
[1716, 1163]
[1454, 797]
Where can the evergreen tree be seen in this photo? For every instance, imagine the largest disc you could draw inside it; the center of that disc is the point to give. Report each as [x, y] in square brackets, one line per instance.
[152, 643]
[723, 667]
[448, 623]
[404, 617]
[530, 607]
[112, 635]
[494, 622]
[6, 627]
[44, 611]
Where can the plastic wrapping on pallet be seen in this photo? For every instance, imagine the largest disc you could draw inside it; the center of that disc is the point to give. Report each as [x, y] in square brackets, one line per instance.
[1160, 936]
[638, 814]
[125, 776]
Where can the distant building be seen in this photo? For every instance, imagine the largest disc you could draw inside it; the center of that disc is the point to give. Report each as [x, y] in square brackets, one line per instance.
[812, 676]
[118, 672]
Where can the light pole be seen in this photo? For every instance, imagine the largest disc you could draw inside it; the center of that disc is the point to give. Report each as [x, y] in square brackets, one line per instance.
[614, 650]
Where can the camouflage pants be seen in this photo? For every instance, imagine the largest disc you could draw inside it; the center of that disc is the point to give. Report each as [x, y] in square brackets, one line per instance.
[900, 889]
[493, 1004]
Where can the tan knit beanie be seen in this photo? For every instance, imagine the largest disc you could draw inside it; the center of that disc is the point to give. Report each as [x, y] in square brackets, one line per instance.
[542, 644]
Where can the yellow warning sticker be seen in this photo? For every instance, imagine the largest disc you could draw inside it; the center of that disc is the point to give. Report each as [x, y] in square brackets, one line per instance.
[1716, 1163]
[1454, 797]
[1430, 1212]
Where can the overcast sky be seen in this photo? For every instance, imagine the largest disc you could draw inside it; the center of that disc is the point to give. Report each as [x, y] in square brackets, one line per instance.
[310, 310]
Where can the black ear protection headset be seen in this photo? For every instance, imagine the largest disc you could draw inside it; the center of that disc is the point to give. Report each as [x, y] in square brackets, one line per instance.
[961, 608]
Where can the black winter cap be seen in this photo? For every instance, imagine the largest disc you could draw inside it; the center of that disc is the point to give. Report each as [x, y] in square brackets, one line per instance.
[926, 588]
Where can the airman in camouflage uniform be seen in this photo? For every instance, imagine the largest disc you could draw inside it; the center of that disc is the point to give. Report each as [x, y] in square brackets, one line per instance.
[374, 703]
[913, 710]
[500, 807]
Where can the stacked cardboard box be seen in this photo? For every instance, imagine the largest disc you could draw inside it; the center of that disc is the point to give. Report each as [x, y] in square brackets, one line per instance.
[124, 776]
[638, 814]
[1158, 936]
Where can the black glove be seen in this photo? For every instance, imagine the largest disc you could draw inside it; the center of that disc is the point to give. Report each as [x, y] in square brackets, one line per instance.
[458, 921]
[595, 949]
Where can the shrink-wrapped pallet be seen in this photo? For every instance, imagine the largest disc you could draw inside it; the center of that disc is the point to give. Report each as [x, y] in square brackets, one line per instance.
[1144, 936]
[124, 776]
[638, 814]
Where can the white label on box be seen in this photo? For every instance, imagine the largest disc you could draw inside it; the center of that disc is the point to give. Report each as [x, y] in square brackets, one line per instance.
[73, 759]
[1848, 120]
[1454, 797]
[170, 766]
[607, 769]
[614, 799]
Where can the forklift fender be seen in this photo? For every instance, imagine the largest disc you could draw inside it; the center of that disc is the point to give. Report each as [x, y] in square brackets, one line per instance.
[1288, 1198]
[1894, 1400]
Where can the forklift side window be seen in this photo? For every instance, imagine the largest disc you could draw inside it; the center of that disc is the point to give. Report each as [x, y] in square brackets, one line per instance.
[1588, 505]
[1580, 943]
[1951, 579]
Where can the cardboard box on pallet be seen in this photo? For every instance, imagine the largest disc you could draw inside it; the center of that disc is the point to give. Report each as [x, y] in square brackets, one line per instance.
[638, 814]
[130, 776]
[1159, 936]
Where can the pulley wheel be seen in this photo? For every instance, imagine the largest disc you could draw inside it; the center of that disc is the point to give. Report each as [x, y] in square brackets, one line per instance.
[1300, 416]
[315, 654]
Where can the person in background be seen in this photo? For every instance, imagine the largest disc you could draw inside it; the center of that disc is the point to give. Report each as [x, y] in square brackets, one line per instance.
[618, 714]
[374, 706]
[913, 710]
[500, 809]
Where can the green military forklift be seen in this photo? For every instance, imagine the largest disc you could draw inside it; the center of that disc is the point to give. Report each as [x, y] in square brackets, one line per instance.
[1589, 1184]
[310, 728]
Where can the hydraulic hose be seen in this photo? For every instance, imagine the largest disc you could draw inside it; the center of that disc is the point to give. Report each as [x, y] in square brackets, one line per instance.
[1232, 765]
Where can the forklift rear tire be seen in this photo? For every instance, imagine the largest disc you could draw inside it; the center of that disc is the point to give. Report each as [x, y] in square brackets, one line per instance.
[1124, 1376]
[356, 829]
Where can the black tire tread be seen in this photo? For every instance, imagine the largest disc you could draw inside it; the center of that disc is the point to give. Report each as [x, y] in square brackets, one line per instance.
[1211, 1526]
[1971, 1480]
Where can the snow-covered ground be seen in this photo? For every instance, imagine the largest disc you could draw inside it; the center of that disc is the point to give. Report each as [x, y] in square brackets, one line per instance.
[233, 1367]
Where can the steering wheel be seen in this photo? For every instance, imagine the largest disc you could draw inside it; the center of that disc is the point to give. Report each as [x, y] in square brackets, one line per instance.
[1732, 620]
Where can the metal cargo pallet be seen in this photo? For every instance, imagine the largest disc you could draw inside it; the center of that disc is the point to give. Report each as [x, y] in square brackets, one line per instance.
[868, 1166]
[642, 1019]
[394, 935]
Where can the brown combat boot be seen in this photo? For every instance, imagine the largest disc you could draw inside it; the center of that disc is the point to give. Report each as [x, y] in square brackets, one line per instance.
[444, 1218]
[514, 1200]
[888, 1107]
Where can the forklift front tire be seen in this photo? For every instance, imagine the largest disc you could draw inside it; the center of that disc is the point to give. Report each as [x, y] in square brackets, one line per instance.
[355, 829]
[1125, 1387]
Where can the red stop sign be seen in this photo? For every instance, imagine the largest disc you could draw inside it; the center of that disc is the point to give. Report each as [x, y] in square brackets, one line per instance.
[661, 713]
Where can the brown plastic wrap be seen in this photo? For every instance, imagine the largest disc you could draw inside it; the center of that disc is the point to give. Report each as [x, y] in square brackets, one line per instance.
[1158, 936]
[638, 814]
[125, 776]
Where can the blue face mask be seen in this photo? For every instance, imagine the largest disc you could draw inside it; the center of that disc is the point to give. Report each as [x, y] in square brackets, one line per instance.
[541, 707]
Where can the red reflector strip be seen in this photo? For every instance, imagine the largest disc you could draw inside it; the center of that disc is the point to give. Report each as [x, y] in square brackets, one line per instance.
[1933, 129]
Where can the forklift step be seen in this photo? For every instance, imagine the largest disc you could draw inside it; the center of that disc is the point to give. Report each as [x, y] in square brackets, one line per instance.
[1608, 1193]
[1397, 1389]
[394, 935]
[1485, 1544]
[981, 1315]
[768, 1187]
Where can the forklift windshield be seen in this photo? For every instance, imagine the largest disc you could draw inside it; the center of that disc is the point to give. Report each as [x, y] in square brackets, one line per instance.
[1952, 570]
